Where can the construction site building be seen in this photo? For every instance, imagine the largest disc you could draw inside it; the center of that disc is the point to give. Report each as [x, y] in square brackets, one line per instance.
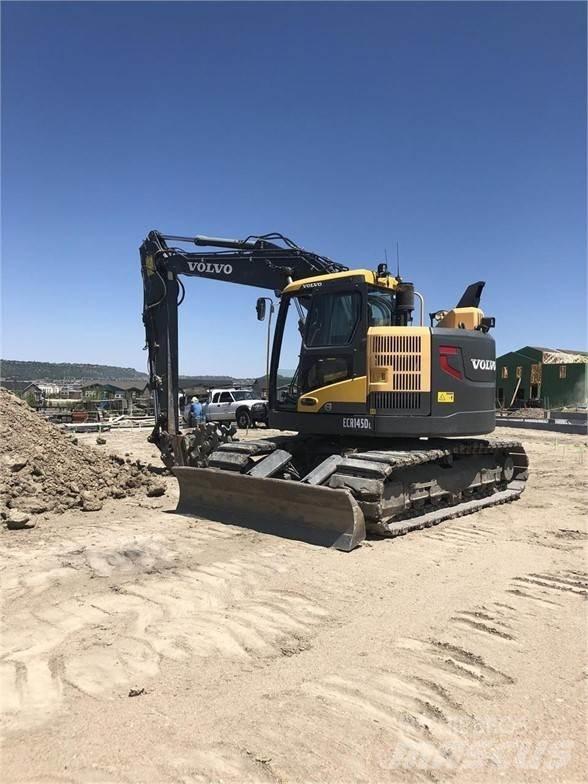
[547, 377]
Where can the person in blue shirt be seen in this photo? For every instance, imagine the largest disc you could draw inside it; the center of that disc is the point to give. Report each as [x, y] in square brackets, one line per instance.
[196, 415]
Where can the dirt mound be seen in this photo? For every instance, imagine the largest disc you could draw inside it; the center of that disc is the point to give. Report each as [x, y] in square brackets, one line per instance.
[43, 470]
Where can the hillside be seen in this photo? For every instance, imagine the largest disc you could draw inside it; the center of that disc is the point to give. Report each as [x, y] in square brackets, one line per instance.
[214, 381]
[55, 371]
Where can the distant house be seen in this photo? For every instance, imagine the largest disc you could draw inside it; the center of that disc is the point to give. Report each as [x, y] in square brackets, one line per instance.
[126, 392]
[33, 394]
[16, 387]
[551, 377]
[49, 390]
[71, 389]
[27, 390]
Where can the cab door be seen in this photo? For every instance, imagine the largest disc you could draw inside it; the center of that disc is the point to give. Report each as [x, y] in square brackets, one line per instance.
[214, 411]
[327, 322]
[335, 336]
[226, 406]
[210, 409]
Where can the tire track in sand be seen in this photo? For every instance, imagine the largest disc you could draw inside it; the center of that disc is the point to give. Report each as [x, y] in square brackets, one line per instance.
[549, 589]
[147, 610]
[414, 718]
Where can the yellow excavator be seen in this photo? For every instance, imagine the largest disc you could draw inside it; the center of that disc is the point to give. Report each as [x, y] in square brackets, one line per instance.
[378, 414]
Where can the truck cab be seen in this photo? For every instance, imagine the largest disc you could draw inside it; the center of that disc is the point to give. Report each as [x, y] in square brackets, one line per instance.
[235, 405]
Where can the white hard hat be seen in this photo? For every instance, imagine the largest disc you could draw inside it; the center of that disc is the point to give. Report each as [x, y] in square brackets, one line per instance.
[194, 399]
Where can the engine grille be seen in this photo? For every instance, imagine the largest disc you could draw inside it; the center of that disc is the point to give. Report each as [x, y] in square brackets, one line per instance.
[400, 369]
[401, 353]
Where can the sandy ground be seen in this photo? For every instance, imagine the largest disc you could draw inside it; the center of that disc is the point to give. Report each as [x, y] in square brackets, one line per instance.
[452, 654]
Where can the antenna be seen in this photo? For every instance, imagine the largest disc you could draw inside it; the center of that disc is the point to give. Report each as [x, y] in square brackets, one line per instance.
[386, 255]
[397, 261]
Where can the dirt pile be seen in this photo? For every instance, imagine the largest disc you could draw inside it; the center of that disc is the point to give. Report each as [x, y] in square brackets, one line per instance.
[43, 470]
[527, 413]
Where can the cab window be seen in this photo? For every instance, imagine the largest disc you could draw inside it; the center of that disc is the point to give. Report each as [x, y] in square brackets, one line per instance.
[332, 319]
[226, 397]
[322, 371]
[381, 306]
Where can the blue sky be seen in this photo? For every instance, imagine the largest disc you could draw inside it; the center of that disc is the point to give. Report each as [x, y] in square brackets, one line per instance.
[457, 129]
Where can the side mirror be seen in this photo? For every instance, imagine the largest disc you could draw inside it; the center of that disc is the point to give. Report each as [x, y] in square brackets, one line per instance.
[260, 308]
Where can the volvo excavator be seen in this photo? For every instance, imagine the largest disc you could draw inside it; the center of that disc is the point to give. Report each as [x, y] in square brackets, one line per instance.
[381, 418]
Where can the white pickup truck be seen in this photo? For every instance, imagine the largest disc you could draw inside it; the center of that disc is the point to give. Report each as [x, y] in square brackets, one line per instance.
[235, 405]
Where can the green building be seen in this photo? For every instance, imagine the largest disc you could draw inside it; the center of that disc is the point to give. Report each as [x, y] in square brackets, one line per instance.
[550, 377]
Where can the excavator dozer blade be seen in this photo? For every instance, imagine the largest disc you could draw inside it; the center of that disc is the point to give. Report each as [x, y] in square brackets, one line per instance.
[317, 515]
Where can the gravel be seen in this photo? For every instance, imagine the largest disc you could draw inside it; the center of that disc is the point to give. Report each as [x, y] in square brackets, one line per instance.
[18, 520]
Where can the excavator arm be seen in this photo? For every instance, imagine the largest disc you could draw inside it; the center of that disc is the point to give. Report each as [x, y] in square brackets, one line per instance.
[270, 261]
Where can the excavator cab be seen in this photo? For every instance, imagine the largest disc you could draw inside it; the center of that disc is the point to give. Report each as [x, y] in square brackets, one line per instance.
[321, 335]
[348, 358]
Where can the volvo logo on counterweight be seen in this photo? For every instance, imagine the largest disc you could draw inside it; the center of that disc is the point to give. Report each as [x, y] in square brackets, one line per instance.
[212, 268]
[484, 364]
